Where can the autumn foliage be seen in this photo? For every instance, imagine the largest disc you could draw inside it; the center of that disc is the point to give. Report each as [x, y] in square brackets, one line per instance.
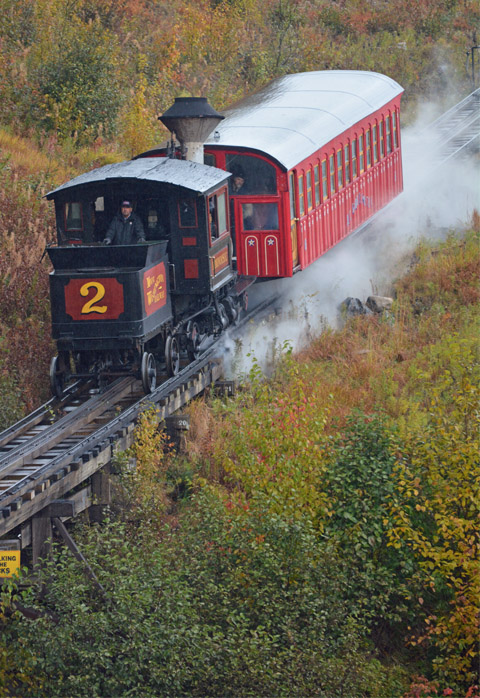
[393, 487]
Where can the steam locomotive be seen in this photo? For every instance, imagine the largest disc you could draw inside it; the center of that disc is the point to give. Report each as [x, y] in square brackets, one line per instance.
[316, 154]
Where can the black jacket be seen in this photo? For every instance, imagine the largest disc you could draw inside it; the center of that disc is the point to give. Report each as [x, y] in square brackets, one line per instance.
[125, 231]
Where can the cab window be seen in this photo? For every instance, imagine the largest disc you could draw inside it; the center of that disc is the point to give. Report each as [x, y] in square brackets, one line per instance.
[187, 213]
[217, 215]
[73, 216]
[154, 214]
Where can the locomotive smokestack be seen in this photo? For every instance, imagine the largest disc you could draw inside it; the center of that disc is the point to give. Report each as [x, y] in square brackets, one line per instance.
[191, 119]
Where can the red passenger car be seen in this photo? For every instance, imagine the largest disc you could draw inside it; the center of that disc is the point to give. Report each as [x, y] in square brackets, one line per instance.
[314, 155]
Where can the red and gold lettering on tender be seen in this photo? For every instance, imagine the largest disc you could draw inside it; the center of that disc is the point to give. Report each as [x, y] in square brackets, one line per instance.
[154, 288]
[220, 261]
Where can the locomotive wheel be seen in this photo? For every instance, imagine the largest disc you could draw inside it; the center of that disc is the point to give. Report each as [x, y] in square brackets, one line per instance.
[232, 309]
[193, 340]
[57, 377]
[222, 316]
[172, 355]
[149, 372]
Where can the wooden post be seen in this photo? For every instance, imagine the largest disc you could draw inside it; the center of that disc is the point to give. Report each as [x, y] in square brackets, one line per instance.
[72, 546]
[101, 494]
[176, 427]
[41, 537]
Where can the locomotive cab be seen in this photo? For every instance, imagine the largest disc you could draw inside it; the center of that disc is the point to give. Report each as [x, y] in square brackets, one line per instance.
[128, 309]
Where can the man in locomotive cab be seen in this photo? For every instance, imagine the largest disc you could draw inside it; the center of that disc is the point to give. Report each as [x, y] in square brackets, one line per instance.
[126, 227]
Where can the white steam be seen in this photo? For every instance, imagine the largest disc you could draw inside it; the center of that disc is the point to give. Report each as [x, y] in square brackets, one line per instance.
[436, 199]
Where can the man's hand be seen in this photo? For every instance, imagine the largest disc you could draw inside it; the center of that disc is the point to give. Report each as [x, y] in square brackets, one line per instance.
[107, 241]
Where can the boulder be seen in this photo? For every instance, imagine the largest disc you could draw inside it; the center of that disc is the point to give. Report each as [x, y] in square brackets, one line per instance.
[354, 306]
[378, 304]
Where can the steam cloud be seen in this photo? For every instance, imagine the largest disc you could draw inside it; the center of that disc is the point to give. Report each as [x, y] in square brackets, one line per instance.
[436, 199]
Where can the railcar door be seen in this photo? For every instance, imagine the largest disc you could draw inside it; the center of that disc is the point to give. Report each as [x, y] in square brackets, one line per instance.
[293, 220]
[259, 245]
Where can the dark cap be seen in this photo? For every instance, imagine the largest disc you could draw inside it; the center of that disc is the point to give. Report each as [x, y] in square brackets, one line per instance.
[127, 203]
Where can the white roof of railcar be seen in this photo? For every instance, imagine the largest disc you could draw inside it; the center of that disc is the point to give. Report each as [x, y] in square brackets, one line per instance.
[295, 115]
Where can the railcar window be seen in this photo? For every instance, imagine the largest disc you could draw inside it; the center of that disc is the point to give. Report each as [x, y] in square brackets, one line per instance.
[259, 176]
[339, 169]
[361, 155]
[210, 159]
[368, 147]
[389, 135]
[301, 196]
[324, 180]
[292, 195]
[346, 156]
[261, 216]
[309, 191]
[375, 143]
[331, 166]
[354, 158]
[73, 216]
[394, 129]
[316, 181]
[187, 213]
[381, 139]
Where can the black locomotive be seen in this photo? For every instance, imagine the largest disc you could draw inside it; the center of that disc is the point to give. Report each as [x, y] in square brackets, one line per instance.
[123, 309]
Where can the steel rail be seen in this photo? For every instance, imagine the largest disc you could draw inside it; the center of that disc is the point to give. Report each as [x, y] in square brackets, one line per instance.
[21, 501]
[34, 418]
[456, 129]
[39, 444]
[103, 435]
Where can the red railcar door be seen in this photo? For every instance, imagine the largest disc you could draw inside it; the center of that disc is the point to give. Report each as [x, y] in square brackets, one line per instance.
[260, 251]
